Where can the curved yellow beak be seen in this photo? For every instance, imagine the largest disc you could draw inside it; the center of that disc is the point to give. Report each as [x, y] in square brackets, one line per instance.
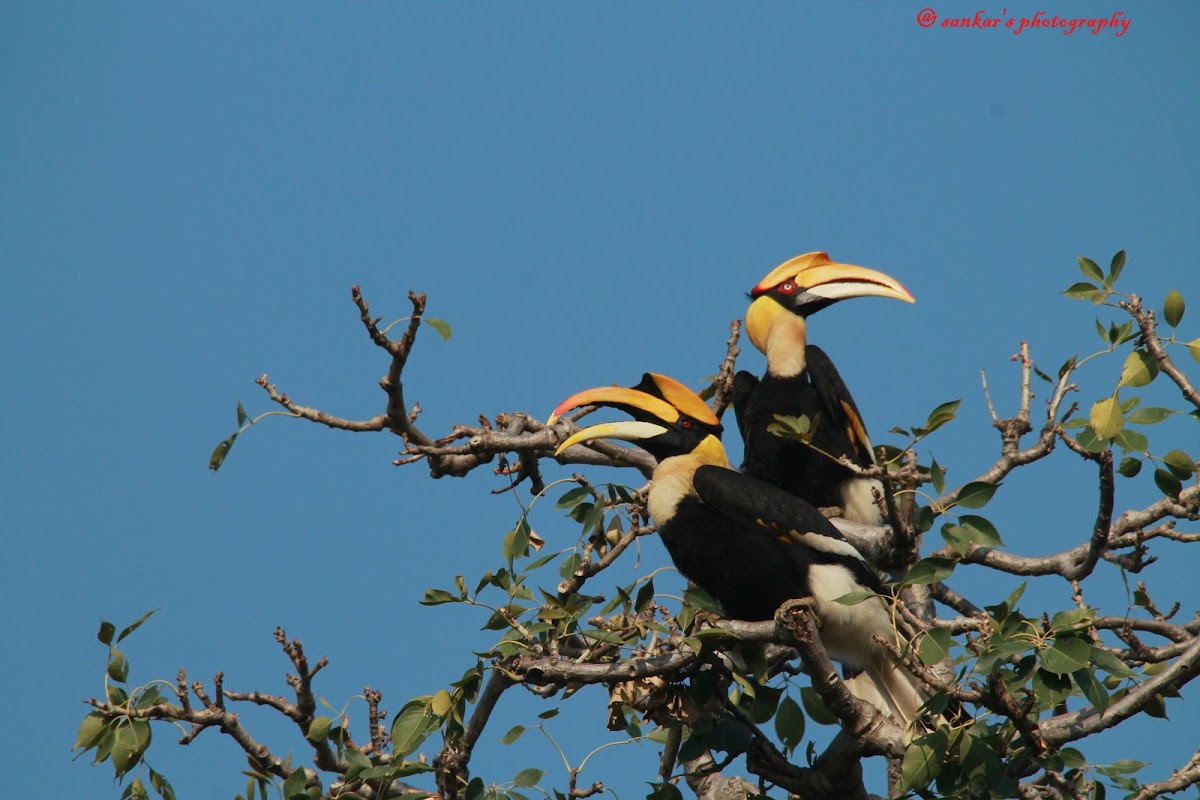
[616, 394]
[627, 431]
[820, 275]
[677, 400]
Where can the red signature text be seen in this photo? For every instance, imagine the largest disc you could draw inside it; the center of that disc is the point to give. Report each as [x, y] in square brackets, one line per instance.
[1117, 22]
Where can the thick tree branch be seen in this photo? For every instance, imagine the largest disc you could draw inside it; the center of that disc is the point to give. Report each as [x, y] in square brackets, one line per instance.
[1079, 724]
[1127, 531]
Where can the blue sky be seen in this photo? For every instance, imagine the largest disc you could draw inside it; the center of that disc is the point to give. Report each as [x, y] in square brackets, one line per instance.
[585, 191]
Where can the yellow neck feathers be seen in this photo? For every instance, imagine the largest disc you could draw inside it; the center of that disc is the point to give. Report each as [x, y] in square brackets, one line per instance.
[779, 334]
[673, 478]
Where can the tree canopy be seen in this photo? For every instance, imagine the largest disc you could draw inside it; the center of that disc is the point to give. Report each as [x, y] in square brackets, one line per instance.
[733, 705]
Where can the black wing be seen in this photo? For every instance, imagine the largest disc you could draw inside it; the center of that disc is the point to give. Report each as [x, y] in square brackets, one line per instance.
[837, 402]
[757, 506]
[744, 387]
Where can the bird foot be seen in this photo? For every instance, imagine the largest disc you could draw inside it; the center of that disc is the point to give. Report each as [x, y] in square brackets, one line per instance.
[829, 512]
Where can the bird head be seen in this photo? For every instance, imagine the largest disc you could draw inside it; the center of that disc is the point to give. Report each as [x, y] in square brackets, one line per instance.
[669, 419]
[807, 283]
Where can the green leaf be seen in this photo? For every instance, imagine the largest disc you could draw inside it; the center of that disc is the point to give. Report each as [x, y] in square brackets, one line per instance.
[854, 598]
[105, 634]
[1068, 365]
[1126, 766]
[1092, 689]
[1167, 483]
[1106, 418]
[164, 789]
[90, 731]
[941, 415]
[1139, 370]
[937, 476]
[1130, 440]
[516, 541]
[1130, 466]
[789, 724]
[1115, 267]
[219, 452]
[1173, 308]
[137, 791]
[1157, 707]
[1071, 619]
[293, 787]
[1110, 663]
[922, 761]
[935, 646]
[441, 326]
[435, 597]
[129, 742]
[702, 600]
[135, 625]
[1180, 463]
[1088, 440]
[929, 570]
[1051, 689]
[981, 531]
[1149, 415]
[573, 497]
[528, 778]
[242, 416]
[644, 595]
[411, 726]
[956, 536]
[1068, 654]
[513, 734]
[925, 519]
[569, 565]
[118, 666]
[1090, 269]
[664, 791]
[976, 494]
[318, 729]
[1194, 347]
[1083, 291]
[441, 703]
[815, 707]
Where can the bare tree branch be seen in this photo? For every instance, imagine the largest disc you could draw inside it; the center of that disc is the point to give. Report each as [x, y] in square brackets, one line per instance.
[1079, 724]
[1146, 322]
[1188, 775]
[723, 385]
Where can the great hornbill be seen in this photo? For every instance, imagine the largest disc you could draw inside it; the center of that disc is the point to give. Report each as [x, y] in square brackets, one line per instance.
[802, 380]
[751, 545]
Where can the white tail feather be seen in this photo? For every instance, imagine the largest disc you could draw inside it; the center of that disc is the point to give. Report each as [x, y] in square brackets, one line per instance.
[891, 690]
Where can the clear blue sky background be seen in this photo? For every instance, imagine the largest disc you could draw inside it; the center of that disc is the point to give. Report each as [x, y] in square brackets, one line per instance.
[585, 190]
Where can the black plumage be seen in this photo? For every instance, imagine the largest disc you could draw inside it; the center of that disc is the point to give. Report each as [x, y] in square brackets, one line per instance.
[748, 543]
[820, 394]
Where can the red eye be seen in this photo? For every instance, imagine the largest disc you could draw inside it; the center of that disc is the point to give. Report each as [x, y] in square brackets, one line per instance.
[788, 287]
[686, 423]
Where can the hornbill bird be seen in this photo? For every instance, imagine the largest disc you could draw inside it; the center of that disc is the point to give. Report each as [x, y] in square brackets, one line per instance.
[802, 380]
[751, 545]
